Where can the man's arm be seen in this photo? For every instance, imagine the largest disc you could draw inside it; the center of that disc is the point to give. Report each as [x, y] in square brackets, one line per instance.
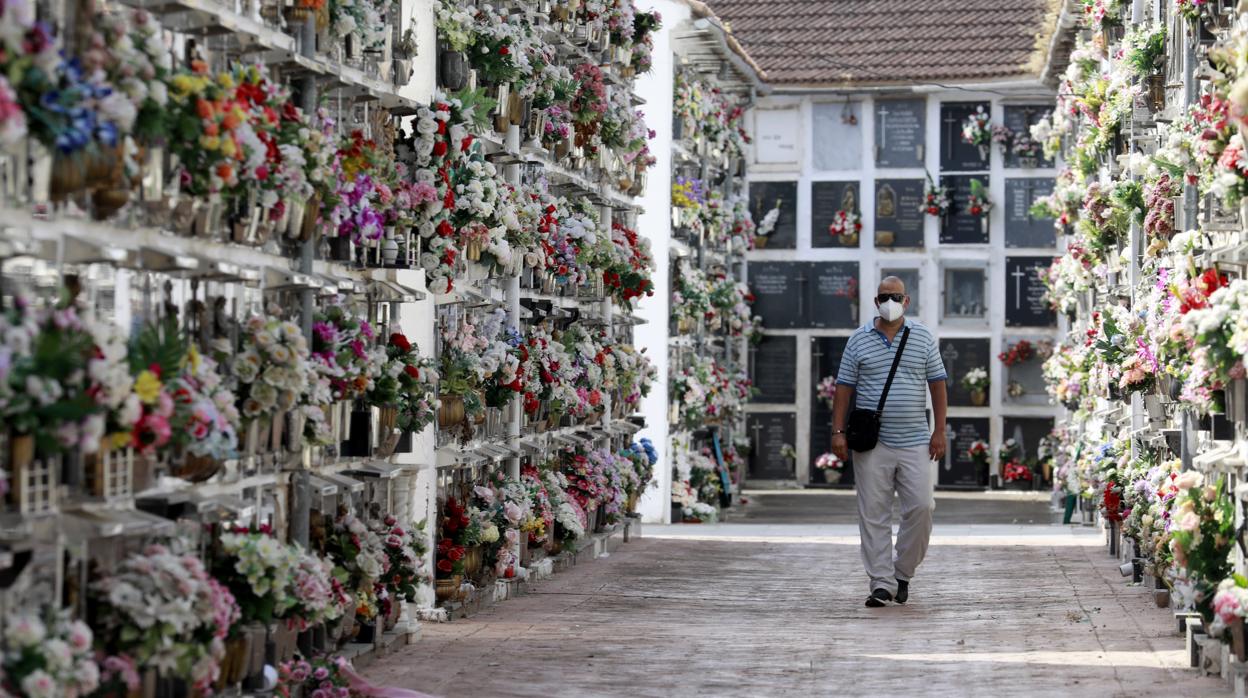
[940, 403]
[840, 408]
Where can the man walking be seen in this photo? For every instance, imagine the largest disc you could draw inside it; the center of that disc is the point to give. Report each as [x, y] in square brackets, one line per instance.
[901, 461]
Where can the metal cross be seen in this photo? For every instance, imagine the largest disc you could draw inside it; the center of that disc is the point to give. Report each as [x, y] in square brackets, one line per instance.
[883, 114]
[949, 136]
[801, 295]
[1018, 291]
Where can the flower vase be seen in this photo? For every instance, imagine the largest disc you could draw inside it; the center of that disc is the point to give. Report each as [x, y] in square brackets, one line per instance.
[760, 242]
[502, 111]
[849, 239]
[196, 468]
[295, 423]
[277, 431]
[235, 663]
[448, 589]
[451, 411]
[404, 444]
[1243, 212]
[473, 561]
[535, 126]
[21, 452]
[453, 70]
[367, 632]
[473, 251]
[1028, 162]
[359, 434]
[979, 397]
[983, 153]
[983, 224]
[831, 476]
[392, 617]
[885, 238]
[1239, 648]
[389, 251]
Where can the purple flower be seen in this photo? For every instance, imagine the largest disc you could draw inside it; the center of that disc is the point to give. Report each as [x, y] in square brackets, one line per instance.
[326, 332]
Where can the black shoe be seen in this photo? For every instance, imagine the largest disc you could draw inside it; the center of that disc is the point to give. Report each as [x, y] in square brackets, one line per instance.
[903, 591]
[878, 598]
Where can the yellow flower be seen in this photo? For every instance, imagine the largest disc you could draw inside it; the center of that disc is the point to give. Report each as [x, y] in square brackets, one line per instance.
[227, 147]
[147, 387]
[193, 356]
[120, 440]
[182, 85]
[210, 142]
[226, 81]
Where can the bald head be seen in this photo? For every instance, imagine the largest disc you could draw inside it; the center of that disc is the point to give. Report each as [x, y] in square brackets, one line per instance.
[891, 284]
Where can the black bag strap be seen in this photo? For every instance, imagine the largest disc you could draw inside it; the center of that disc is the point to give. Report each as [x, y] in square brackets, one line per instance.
[905, 334]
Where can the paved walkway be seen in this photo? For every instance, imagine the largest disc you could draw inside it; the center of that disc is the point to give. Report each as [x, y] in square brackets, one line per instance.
[775, 609]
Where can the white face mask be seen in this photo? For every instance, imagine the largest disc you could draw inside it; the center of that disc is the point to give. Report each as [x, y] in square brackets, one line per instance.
[891, 310]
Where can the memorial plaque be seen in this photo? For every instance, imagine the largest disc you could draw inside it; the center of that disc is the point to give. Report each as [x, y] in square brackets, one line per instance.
[826, 200]
[959, 356]
[779, 292]
[1026, 304]
[1021, 229]
[957, 155]
[833, 295]
[1019, 119]
[825, 360]
[899, 218]
[909, 277]
[1027, 376]
[965, 293]
[765, 196]
[957, 470]
[837, 139]
[900, 132]
[768, 433]
[959, 226]
[773, 364]
[1027, 431]
[776, 134]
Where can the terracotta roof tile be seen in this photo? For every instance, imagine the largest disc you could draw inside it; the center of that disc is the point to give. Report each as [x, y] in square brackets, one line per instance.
[837, 42]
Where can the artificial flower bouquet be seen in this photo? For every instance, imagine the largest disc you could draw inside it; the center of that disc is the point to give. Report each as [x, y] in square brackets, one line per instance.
[322, 677]
[976, 379]
[407, 382]
[1016, 472]
[936, 201]
[977, 130]
[845, 226]
[361, 561]
[977, 202]
[826, 390]
[273, 369]
[163, 610]
[48, 656]
[829, 461]
[978, 452]
[1202, 539]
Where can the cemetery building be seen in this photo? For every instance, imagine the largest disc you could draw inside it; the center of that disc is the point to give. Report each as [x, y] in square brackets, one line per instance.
[865, 117]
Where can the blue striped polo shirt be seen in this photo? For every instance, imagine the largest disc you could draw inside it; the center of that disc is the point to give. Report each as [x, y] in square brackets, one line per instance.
[864, 367]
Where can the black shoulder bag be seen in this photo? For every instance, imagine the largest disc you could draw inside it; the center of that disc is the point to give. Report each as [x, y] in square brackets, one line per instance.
[862, 431]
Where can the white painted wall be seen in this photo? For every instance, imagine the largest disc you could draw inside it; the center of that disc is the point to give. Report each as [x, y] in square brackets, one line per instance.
[772, 166]
[655, 223]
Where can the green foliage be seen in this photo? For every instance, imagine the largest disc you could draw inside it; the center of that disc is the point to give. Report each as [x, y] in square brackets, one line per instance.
[159, 344]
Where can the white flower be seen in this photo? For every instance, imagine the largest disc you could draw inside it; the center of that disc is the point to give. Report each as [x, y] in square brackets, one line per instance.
[25, 631]
[38, 684]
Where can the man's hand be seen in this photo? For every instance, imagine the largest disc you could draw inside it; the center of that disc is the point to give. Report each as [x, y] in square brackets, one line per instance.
[936, 447]
[840, 447]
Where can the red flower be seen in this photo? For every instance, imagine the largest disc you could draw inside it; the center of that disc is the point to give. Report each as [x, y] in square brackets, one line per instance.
[445, 565]
[503, 51]
[439, 149]
[398, 340]
[412, 371]
[456, 554]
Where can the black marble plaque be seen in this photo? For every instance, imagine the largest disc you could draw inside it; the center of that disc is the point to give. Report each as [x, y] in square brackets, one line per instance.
[1019, 119]
[768, 433]
[959, 356]
[825, 360]
[899, 217]
[833, 295]
[900, 132]
[763, 197]
[957, 155]
[773, 368]
[958, 226]
[1021, 229]
[957, 470]
[910, 277]
[826, 200]
[779, 292]
[1025, 302]
[1027, 431]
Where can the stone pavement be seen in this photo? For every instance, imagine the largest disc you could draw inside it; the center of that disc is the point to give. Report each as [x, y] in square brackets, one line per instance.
[774, 609]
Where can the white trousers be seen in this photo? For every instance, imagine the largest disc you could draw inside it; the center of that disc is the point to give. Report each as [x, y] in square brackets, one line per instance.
[879, 473]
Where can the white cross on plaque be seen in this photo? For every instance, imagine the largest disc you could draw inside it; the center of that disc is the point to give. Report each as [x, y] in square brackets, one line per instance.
[949, 136]
[883, 114]
[1018, 289]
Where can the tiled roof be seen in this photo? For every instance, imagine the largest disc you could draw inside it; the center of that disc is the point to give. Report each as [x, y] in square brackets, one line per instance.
[861, 42]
